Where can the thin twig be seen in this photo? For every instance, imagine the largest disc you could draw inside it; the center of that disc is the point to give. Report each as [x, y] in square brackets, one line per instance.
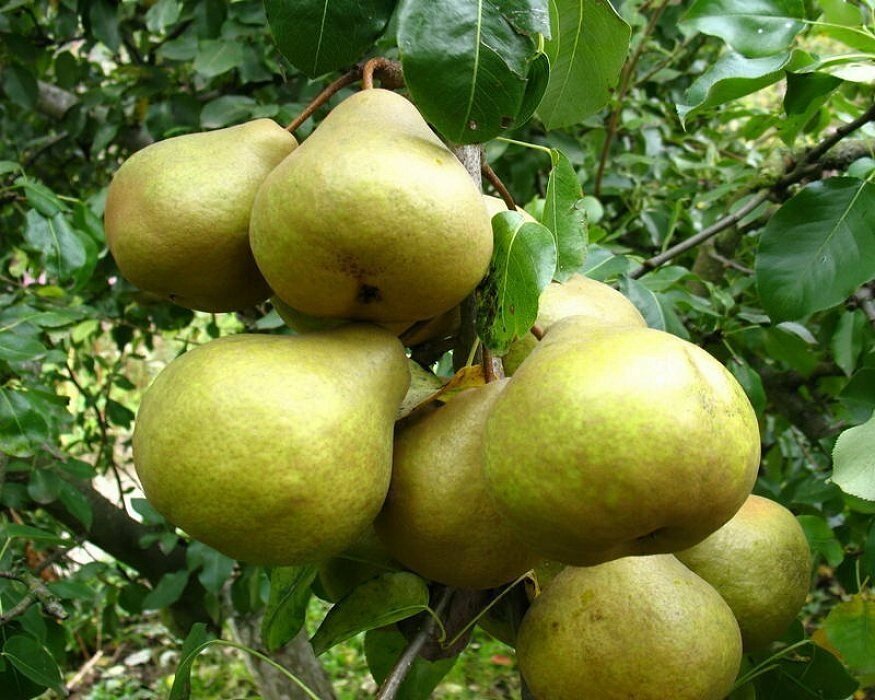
[87, 667]
[37, 592]
[493, 179]
[392, 683]
[344, 80]
[625, 84]
[794, 175]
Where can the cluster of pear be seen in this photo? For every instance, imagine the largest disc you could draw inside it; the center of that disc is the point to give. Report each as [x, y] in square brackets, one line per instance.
[610, 447]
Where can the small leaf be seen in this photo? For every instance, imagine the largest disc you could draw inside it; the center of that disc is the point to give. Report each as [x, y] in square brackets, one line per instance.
[287, 606]
[587, 50]
[821, 539]
[751, 27]
[24, 428]
[806, 94]
[215, 567]
[226, 110]
[32, 660]
[20, 86]
[119, 414]
[31, 533]
[103, 23]
[40, 197]
[191, 647]
[167, 592]
[854, 461]
[646, 301]
[68, 256]
[523, 262]
[319, 36]
[423, 386]
[382, 649]
[76, 503]
[564, 219]
[850, 628]
[833, 250]
[466, 65]
[375, 603]
[217, 56]
[44, 486]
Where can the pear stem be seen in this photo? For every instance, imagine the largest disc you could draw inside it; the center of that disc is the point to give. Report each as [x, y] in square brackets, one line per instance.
[347, 78]
[538, 332]
[492, 366]
[389, 72]
[499, 186]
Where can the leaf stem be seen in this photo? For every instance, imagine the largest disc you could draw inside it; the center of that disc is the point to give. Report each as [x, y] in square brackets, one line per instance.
[526, 144]
[486, 609]
[760, 668]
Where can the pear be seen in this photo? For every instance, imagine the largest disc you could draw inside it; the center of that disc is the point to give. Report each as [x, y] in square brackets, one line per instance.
[177, 215]
[438, 519]
[276, 450]
[371, 218]
[761, 564]
[639, 627]
[628, 441]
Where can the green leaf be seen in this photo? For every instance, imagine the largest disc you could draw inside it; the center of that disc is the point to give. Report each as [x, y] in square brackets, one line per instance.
[217, 56]
[287, 606]
[226, 110]
[32, 660]
[821, 539]
[162, 14]
[587, 50]
[44, 486]
[24, 428]
[751, 382]
[19, 348]
[523, 262]
[119, 414]
[382, 649]
[817, 248]
[375, 603]
[191, 647]
[811, 674]
[466, 64]
[806, 94]
[854, 461]
[167, 592]
[850, 628]
[20, 86]
[40, 197]
[751, 27]
[76, 503]
[646, 301]
[215, 567]
[28, 532]
[734, 76]
[319, 36]
[564, 219]
[67, 255]
[103, 23]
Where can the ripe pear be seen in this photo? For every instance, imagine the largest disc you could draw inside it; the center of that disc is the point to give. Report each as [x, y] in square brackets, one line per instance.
[761, 564]
[438, 519]
[276, 450]
[177, 214]
[639, 627]
[628, 441]
[371, 218]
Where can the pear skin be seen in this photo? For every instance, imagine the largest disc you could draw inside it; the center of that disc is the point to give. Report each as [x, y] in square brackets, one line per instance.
[177, 215]
[371, 218]
[275, 450]
[438, 519]
[640, 627]
[631, 441]
[760, 563]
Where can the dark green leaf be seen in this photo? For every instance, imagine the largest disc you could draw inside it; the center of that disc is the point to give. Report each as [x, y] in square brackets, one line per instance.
[218, 56]
[850, 628]
[167, 592]
[846, 343]
[162, 14]
[375, 603]
[44, 486]
[382, 649]
[734, 76]
[76, 503]
[645, 301]
[588, 49]
[854, 461]
[806, 94]
[536, 86]
[119, 414]
[751, 382]
[191, 647]
[523, 262]
[566, 222]
[19, 348]
[465, 65]
[40, 197]
[829, 224]
[103, 18]
[30, 533]
[226, 110]
[813, 674]
[20, 86]
[318, 36]
[752, 27]
[287, 606]
[24, 428]
[68, 256]
[821, 539]
[215, 567]
[30, 658]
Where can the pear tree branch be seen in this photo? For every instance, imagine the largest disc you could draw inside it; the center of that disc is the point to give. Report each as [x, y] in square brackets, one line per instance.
[793, 174]
[37, 593]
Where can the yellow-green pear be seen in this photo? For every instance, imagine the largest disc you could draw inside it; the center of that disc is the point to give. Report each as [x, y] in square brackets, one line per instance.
[629, 441]
[760, 563]
[275, 450]
[438, 519]
[639, 627]
[177, 214]
[371, 218]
